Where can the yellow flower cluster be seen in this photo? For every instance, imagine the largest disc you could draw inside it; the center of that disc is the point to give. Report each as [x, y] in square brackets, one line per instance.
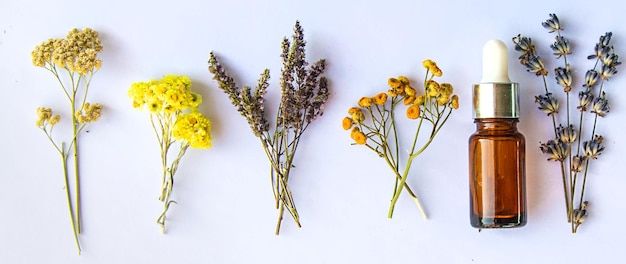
[89, 113]
[400, 90]
[194, 128]
[171, 94]
[44, 115]
[78, 52]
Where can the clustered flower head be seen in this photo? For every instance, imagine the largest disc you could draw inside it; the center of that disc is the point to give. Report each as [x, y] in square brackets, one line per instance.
[434, 95]
[78, 52]
[175, 118]
[591, 99]
[45, 117]
[194, 128]
[168, 95]
[89, 113]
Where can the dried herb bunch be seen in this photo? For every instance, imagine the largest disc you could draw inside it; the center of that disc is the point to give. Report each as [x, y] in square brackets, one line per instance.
[73, 61]
[304, 92]
[373, 123]
[175, 119]
[569, 146]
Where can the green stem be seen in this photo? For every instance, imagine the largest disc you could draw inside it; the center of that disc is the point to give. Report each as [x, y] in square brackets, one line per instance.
[69, 199]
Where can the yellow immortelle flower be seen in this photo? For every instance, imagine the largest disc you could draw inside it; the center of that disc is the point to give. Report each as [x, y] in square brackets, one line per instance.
[394, 83]
[455, 101]
[195, 129]
[380, 98]
[43, 115]
[89, 113]
[54, 120]
[365, 102]
[413, 112]
[346, 123]
[409, 100]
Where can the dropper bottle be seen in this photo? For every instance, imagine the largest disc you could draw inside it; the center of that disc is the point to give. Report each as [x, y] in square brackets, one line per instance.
[496, 149]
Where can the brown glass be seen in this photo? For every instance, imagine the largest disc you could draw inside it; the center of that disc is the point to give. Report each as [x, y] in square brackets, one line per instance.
[497, 174]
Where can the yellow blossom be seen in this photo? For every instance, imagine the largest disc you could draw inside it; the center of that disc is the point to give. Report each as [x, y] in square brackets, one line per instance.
[365, 102]
[54, 120]
[436, 71]
[432, 88]
[195, 129]
[455, 101]
[353, 110]
[442, 100]
[394, 83]
[419, 100]
[346, 123]
[410, 91]
[446, 89]
[392, 92]
[428, 64]
[358, 137]
[380, 98]
[358, 117]
[409, 100]
[43, 115]
[404, 80]
[413, 112]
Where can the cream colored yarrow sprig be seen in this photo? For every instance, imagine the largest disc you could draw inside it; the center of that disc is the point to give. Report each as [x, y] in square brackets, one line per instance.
[568, 146]
[373, 123]
[304, 93]
[174, 116]
[73, 61]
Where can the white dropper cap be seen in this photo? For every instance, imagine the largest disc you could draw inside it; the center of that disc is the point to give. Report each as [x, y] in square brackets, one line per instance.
[495, 62]
[495, 96]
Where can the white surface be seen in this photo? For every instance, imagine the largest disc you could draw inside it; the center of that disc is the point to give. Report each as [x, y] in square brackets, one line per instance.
[225, 212]
[495, 62]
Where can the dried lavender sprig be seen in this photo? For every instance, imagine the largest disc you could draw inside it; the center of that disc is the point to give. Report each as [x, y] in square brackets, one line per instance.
[304, 92]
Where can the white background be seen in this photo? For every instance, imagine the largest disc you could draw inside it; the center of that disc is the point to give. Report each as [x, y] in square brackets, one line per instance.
[225, 212]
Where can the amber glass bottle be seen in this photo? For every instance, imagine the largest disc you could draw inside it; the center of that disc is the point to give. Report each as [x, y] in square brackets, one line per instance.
[497, 176]
[497, 150]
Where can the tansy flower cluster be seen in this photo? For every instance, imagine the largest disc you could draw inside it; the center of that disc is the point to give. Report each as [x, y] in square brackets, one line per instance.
[174, 115]
[569, 146]
[373, 122]
[73, 61]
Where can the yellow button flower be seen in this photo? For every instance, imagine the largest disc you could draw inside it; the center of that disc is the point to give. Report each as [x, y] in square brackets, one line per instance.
[455, 101]
[394, 83]
[346, 123]
[409, 100]
[413, 112]
[365, 102]
[380, 98]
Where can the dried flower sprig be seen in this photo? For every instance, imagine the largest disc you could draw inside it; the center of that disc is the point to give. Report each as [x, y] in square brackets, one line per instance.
[73, 61]
[574, 160]
[174, 116]
[373, 122]
[304, 92]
